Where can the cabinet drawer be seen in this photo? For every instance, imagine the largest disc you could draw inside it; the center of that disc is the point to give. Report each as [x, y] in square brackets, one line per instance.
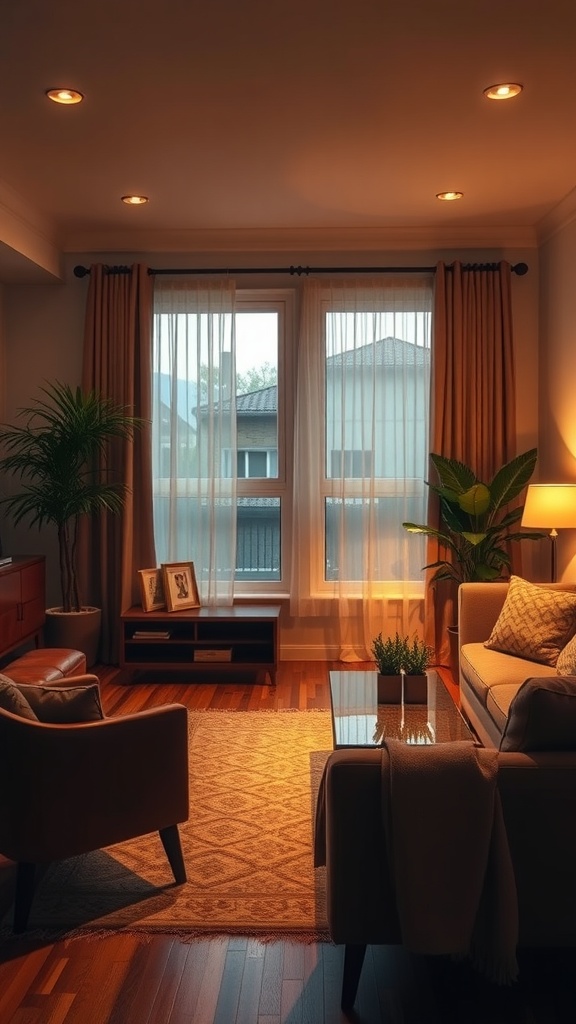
[32, 577]
[10, 627]
[9, 590]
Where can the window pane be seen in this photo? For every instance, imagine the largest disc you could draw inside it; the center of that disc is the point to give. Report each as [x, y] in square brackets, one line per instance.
[257, 391]
[351, 463]
[347, 525]
[258, 539]
[376, 373]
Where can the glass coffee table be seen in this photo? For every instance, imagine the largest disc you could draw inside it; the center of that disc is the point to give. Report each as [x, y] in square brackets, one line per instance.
[359, 721]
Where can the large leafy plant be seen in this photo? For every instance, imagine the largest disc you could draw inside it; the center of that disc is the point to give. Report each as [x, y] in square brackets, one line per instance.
[478, 526]
[60, 455]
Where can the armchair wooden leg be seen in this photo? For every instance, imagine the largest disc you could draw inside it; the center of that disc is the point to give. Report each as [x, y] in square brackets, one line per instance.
[25, 879]
[170, 837]
[353, 960]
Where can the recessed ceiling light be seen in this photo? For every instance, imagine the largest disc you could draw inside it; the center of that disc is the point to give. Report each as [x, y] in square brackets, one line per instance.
[449, 196]
[504, 91]
[135, 200]
[66, 96]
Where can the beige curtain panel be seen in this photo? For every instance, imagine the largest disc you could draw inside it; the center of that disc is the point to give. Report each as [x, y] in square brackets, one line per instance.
[118, 363]
[473, 407]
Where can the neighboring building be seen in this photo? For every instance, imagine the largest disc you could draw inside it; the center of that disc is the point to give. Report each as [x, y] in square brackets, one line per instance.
[397, 450]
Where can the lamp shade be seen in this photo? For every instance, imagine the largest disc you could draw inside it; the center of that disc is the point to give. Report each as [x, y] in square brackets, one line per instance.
[550, 505]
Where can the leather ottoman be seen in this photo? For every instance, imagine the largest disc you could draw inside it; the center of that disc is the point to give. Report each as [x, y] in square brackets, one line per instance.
[46, 665]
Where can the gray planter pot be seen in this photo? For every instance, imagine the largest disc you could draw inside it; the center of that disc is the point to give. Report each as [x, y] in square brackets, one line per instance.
[79, 631]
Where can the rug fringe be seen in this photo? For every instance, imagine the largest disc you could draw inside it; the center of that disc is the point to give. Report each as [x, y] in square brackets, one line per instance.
[199, 935]
[259, 711]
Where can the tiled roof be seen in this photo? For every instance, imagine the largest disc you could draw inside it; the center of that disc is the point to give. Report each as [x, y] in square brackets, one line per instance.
[387, 352]
[262, 400]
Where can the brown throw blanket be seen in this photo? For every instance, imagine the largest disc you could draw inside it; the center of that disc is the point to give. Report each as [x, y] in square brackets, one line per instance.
[449, 856]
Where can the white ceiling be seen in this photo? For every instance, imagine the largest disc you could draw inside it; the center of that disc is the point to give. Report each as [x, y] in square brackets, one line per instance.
[266, 123]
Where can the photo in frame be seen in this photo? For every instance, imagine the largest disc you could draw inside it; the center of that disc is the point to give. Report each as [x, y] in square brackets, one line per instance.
[152, 589]
[180, 587]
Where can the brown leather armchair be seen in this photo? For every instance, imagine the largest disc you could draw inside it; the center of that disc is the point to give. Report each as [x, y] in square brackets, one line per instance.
[68, 789]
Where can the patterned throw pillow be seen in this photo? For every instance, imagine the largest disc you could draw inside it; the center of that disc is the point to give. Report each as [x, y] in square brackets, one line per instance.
[12, 700]
[566, 664]
[534, 623]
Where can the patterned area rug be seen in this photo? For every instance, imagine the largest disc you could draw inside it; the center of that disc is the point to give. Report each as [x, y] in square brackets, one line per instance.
[247, 844]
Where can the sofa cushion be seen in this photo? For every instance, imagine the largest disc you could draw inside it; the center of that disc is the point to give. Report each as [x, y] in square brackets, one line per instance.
[542, 715]
[499, 701]
[14, 701]
[63, 705]
[483, 669]
[535, 623]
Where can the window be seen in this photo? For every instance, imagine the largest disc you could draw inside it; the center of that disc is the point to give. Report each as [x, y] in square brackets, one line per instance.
[258, 462]
[181, 417]
[376, 369]
[361, 440]
[261, 458]
[253, 462]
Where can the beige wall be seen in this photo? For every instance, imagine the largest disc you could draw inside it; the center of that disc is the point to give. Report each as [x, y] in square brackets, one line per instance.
[557, 400]
[44, 331]
[2, 358]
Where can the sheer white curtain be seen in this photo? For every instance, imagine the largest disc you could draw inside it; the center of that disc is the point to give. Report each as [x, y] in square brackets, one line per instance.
[361, 455]
[194, 435]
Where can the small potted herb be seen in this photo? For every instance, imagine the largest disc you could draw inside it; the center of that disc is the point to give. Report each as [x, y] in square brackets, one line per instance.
[402, 665]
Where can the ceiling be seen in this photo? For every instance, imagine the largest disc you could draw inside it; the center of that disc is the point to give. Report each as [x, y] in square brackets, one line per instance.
[262, 124]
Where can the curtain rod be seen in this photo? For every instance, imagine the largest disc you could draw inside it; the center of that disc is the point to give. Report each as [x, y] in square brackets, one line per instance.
[518, 268]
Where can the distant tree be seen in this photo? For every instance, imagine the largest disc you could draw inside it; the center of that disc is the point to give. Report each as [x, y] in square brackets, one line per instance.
[252, 380]
[258, 377]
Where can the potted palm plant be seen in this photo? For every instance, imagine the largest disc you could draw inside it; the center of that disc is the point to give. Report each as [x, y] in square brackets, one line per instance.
[402, 665]
[478, 523]
[59, 453]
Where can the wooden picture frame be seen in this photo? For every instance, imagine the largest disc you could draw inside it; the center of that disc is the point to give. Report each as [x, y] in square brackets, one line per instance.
[152, 589]
[180, 587]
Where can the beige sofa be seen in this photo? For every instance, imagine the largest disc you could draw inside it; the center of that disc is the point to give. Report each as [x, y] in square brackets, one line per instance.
[536, 782]
[489, 680]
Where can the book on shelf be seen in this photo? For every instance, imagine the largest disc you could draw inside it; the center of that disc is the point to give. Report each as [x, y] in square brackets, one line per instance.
[5, 560]
[151, 634]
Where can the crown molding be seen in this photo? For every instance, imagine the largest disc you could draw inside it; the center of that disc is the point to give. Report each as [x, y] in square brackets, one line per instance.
[27, 241]
[286, 240]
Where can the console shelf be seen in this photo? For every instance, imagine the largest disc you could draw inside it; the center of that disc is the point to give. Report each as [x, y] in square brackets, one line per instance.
[240, 637]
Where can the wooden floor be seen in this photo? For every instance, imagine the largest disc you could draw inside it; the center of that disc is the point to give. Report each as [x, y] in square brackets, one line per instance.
[124, 979]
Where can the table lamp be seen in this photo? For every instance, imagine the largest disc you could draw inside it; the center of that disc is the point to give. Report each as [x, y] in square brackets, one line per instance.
[553, 507]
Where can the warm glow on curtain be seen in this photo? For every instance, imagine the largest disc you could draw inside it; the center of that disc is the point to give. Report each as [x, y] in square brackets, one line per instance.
[361, 448]
[194, 438]
[117, 363]
[473, 397]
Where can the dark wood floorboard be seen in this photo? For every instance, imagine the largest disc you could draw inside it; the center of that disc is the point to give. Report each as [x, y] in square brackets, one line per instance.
[127, 979]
